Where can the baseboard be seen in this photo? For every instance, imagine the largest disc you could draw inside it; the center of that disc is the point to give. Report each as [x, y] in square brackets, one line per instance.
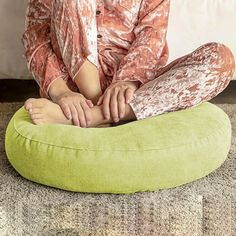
[232, 83]
[12, 90]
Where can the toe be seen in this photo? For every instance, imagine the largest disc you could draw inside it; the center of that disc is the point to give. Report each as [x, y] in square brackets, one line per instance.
[36, 116]
[41, 102]
[35, 110]
[38, 121]
[28, 103]
[35, 103]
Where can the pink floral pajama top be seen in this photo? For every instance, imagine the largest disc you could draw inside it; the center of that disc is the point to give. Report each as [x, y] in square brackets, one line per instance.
[128, 42]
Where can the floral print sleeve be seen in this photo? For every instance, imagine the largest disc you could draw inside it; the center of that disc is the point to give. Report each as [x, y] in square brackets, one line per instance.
[42, 62]
[149, 50]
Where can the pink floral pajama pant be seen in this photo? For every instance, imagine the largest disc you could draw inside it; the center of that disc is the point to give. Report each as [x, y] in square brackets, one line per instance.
[187, 81]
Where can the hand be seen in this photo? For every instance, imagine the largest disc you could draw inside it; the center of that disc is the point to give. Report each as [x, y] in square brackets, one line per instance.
[76, 107]
[121, 91]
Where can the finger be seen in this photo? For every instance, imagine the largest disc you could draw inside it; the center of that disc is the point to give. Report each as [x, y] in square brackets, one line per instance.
[81, 115]
[74, 113]
[87, 112]
[128, 95]
[100, 100]
[114, 105]
[121, 103]
[90, 103]
[106, 102]
[66, 110]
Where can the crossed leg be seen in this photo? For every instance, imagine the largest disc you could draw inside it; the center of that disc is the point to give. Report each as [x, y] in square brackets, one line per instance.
[69, 20]
[44, 111]
[188, 81]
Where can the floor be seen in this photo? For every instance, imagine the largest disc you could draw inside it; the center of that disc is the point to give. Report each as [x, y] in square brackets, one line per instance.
[20, 90]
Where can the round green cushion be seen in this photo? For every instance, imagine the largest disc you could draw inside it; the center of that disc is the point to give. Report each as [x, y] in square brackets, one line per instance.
[159, 152]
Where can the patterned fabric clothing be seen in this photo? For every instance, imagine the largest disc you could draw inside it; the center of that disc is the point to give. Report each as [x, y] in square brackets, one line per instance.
[125, 40]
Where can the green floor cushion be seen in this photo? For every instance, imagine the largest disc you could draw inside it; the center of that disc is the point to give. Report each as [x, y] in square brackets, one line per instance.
[159, 152]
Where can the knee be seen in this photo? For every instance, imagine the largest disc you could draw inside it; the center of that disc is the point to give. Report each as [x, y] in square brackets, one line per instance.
[221, 64]
[217, 62]
[219, 58]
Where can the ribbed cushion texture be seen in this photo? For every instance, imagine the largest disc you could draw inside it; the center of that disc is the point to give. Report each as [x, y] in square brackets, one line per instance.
[159, 152]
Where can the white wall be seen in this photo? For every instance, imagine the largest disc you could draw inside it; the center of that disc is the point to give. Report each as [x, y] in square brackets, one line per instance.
[195, 22]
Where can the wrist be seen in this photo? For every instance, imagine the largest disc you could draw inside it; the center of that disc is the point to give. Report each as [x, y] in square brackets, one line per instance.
[55, 97]
[57, 88]
[60, 95]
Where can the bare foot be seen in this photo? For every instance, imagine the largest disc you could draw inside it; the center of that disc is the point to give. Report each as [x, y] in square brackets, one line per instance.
[44, 111]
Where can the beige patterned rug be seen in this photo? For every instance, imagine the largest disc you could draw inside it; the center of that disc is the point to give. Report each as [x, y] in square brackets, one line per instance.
[203, 207]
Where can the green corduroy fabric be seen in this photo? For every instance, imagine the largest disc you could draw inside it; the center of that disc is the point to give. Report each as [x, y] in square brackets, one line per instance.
[160, 152]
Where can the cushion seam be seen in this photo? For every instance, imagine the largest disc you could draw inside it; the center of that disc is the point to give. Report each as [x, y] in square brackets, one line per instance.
[211, 134]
